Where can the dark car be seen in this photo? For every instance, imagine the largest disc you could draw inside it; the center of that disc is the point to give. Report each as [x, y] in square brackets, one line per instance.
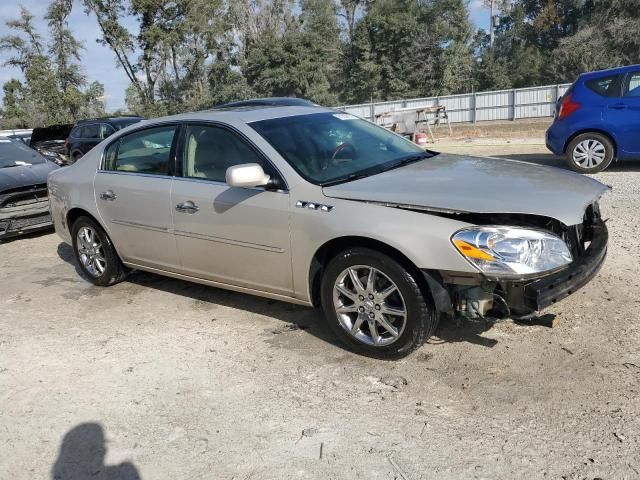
[23, 137]
[598, 120]
[51, 142]
[24, 203]
[86, 134]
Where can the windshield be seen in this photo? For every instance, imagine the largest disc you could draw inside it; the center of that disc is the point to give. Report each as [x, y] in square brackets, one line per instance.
[328, 148]
[14, 153]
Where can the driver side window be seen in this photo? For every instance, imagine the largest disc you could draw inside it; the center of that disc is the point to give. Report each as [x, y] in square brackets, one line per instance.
[209, 151]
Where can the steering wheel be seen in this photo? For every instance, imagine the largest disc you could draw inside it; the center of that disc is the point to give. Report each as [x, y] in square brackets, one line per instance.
[338, 149]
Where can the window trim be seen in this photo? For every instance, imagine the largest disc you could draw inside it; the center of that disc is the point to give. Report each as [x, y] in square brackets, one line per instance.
[179, 174]
[106, 125]
[172, 152]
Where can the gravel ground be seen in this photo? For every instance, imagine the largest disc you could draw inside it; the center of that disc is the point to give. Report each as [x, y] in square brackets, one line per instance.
[181, 381]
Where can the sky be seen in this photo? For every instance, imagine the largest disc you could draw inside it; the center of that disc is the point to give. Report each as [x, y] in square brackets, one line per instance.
[98, 61]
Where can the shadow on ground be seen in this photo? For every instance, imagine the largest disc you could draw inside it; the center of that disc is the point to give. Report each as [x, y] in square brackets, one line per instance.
[81, 457]
[35, 234]
[452, 331]
[295, 317]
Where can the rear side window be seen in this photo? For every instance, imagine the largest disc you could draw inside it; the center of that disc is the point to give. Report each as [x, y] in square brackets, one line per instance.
[90, 131]
[605, 86]
[146, 151]
[76, 132]
[632, 88]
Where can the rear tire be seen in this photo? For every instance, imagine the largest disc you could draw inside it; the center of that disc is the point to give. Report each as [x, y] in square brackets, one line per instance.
[95, 254]
[590, 153]
[387, 315]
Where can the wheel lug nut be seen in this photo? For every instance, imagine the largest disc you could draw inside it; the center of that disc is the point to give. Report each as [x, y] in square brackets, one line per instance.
[371, 315]
[377, 307]
[361, 309]
[361, 297]
[371, 296]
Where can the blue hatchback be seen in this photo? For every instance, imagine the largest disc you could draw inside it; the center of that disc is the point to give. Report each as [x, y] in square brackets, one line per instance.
[598, 120]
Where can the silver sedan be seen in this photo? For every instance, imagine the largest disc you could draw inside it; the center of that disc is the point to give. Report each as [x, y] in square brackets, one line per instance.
[314, 206]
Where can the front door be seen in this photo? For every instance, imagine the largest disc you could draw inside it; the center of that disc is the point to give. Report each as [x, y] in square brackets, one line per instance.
[133, 194]
[237, 236]
[623, 116]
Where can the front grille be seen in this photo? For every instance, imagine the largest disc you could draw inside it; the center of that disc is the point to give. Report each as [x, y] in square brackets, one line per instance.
[17, 225]
[20, 223]
[23, 196]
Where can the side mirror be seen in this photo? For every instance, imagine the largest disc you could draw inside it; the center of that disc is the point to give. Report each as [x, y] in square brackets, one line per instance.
[247, 175]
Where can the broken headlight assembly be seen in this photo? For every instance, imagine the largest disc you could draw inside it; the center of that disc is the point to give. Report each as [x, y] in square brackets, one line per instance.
[512, 251]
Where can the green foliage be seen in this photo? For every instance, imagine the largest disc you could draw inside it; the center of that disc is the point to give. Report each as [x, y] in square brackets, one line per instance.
[192, 54]
[301, 62]
[545, 42]
[54, 86]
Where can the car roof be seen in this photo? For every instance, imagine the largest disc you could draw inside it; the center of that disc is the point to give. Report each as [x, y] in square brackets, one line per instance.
[245, 114]
[108, 119]
[269, 101]
[610, 71]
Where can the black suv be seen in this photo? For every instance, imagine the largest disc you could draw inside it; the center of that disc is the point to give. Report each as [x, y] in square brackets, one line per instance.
[86, 134]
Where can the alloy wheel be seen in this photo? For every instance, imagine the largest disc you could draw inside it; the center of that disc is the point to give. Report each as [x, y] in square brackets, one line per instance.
[589, 153]
[369, 305]
[90, 252]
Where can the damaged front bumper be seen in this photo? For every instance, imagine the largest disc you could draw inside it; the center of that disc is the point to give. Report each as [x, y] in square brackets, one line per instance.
[477, 296]
[534, 295]
[23, 212]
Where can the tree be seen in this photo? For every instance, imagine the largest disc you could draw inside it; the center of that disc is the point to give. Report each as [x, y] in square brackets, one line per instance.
[65, 52]
[52, 89]
[12, 115]
[302, 61]
[166, 63]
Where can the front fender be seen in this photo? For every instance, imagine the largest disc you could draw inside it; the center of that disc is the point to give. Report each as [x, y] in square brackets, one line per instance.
[425, 239]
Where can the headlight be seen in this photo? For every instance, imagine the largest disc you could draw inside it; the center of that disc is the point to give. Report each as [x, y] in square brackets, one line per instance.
[512, 251]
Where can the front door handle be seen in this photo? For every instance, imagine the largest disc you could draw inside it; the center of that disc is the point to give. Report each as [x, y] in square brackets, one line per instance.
[187, 207]
[618, 106]
[109, 196]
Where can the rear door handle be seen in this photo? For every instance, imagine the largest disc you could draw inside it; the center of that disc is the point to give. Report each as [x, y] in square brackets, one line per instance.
[618, 106]
[187, 207]
[109, 196]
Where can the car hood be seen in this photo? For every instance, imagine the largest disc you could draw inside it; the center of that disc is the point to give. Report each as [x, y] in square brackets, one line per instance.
[25, 175]
[456, 183]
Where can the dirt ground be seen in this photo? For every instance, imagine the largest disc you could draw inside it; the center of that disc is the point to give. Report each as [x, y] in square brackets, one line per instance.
[181, 381]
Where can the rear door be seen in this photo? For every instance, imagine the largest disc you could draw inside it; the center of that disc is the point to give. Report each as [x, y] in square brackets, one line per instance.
[624, 116]
[133, 194]
[237, 236]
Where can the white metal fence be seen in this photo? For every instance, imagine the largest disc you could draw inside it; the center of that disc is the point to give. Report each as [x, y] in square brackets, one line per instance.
[532, 102]
[20, 131]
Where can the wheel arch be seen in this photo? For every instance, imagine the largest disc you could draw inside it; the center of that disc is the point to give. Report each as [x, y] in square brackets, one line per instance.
[76, 212]
[593, 130]
[331, 248]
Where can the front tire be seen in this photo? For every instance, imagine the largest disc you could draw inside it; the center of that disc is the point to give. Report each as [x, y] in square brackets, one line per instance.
[590, 153]
[95, 253]
[375, 305]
